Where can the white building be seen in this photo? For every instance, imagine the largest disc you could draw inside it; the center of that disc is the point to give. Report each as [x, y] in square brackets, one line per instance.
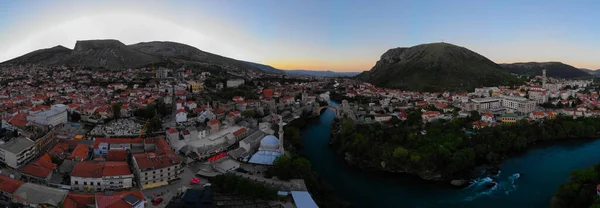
[181, 116]
[16, 152]
[101, 176]
[235, 82]
[518, 104]
[486, 103]
[53, 117]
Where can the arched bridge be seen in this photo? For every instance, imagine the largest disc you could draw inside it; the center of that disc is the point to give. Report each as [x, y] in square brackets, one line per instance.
[334, 109]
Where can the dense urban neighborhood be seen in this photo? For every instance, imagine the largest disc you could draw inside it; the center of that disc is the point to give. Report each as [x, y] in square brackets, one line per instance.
[161, 136]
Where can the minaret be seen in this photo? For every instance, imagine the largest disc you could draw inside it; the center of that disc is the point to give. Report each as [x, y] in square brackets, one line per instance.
[544, 78]
[281, 135]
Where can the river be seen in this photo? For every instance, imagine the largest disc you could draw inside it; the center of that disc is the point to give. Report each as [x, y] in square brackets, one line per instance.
[527, 180]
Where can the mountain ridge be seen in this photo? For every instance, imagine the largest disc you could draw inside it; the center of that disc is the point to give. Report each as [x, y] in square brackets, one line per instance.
[553, 69]
[435, 67]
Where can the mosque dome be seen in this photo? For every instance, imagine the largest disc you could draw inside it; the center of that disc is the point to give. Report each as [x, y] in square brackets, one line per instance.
[269, 142]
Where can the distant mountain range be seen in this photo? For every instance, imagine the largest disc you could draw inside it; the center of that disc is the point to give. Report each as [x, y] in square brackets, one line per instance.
[436, 67]
[114, 55]
[322, 73]
[592, 72]
[553, 69]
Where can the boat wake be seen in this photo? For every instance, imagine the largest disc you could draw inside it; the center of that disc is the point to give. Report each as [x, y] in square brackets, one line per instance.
[488, 187]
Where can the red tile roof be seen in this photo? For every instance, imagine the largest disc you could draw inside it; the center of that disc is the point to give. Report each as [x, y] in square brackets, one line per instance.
[116, 169]
[37, 171]
[88, 169]
[74, 200]
[116, 199]
[8, 184]
[59, 148]
[172, 131]
[116, 155]
[163, 157]
[181, 111]
[239, 132]
[80, 152]
[212, 122]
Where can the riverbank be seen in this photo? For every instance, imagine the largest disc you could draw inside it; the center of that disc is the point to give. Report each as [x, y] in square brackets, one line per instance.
[320, 190]
[442, 151]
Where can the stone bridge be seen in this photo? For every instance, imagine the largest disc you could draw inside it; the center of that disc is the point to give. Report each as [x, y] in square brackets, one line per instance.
[334, 109]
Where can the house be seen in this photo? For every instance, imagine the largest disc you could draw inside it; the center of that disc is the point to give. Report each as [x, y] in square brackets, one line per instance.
[181, 116]
[537, 115]
[39, 171]
[233, 116]
[238, 98]
[215, 125]
[80, 153]
[428, 116]
[383, 117]
[487, 117]
[479, 124]
[191, 104]
[9, 185]
[125, 199]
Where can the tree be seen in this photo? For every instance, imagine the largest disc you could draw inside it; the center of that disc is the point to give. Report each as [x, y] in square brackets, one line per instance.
[474, 116]
[400, 152]
[75, 117]
[116, 108]
[248, 114]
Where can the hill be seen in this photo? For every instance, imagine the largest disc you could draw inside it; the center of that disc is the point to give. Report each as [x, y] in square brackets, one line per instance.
[182, 52]
[435, 67]
[46, 56]
[553, 69]
[265, 68]
[114, 55]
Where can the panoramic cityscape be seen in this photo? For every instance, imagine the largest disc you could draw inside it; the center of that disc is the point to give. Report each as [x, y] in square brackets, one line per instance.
[299, 104]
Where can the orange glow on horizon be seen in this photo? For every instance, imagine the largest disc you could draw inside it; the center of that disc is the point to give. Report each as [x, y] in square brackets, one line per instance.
[320, 65]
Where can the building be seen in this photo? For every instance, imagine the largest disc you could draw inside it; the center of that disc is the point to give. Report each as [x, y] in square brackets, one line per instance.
[158, 168]
[18, 151]
[34, 195]
[39, 171]
[267, 152]
[101, 176]
[486, 103]
[487, 117]
[126, 199]
[518, 104]
[8, 186]
[509, 118]
[55, 116]
[235, 82]
[181, 116]
[194, 86]
[383, 117]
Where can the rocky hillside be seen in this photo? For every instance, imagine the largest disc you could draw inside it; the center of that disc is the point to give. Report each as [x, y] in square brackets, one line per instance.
[553, 69]
[48, 56]
[435, 67]
[114, 55]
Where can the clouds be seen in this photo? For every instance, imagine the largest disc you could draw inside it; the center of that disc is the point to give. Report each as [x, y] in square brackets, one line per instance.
[129, 28]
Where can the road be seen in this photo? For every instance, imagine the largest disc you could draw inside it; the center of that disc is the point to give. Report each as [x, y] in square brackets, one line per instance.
[169, 191]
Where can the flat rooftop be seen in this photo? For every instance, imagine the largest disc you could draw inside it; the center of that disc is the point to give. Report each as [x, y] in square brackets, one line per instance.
[214, 139]
[17, 144]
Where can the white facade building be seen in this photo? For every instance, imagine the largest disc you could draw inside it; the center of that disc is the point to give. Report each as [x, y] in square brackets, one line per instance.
[53, 117]
[235, 82]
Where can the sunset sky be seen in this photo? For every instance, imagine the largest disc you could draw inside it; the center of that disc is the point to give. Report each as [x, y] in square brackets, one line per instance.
[338, 35]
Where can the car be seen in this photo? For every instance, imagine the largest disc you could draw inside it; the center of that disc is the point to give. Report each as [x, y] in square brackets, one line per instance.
[157, 201]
